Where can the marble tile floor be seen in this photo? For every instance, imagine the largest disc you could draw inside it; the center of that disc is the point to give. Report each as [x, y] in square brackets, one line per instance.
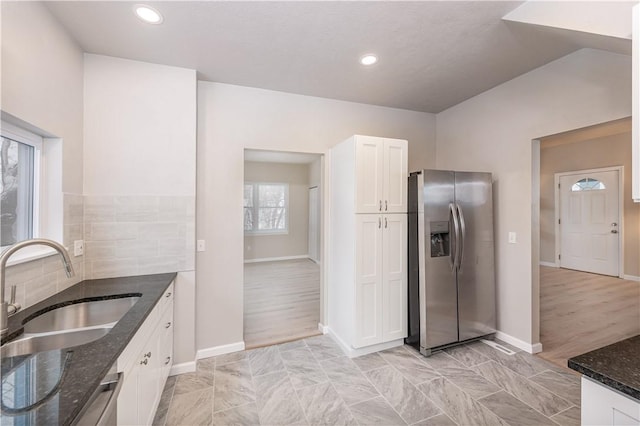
[311, 382]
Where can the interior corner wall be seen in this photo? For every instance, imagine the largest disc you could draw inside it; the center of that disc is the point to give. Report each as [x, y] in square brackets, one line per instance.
[42, 80]
[232, 118]
[606, 151]
[295, 242]
[494, 131]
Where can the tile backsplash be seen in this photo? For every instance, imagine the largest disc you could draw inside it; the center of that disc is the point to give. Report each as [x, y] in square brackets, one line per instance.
[123, 235]
[38, 279]
[138, 235]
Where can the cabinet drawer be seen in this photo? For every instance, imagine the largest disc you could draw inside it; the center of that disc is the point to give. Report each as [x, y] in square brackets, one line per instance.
[130, 354]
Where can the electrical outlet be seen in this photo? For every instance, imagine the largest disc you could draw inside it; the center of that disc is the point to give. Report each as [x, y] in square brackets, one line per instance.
[512, 238]
[78, 248]
[200, 246]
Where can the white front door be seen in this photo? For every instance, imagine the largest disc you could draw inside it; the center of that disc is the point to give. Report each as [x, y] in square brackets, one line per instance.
[590, 222]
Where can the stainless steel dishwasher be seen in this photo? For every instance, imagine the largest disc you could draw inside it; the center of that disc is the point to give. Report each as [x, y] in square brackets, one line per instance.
[101, 410]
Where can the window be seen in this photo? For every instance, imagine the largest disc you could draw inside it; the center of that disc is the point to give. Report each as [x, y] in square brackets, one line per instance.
[266, 208]
[19, 177]
[587, 184]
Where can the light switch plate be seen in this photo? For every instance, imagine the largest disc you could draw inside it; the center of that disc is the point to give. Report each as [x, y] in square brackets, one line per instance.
[200, 246]
[512, 238]
[78, 247]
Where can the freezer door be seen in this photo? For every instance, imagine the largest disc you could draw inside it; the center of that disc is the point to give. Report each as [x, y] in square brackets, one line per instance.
[476, 276]
[439, 286]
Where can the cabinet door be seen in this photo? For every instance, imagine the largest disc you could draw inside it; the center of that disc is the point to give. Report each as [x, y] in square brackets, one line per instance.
[394, 280]
[148, 381]
[127, 412]
[369, 170]
[368, 321]
[395, 176]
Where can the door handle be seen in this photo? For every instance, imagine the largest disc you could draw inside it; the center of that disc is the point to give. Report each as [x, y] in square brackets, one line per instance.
[453, 254]
[380, 205]
[379, 223]
[385, 205]
[385, 223]
[463, 229]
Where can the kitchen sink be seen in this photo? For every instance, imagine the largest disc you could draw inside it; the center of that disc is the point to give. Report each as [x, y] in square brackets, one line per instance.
[80, 315]
[28, 344]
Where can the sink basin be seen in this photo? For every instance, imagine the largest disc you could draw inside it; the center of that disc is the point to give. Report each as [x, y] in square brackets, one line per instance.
[79, 315]
[29, 344]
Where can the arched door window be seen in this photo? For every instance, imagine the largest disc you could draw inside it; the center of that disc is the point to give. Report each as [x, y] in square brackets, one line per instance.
[587, 184]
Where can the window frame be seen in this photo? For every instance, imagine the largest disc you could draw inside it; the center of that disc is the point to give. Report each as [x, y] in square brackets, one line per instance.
[256, 209]
[18, 134]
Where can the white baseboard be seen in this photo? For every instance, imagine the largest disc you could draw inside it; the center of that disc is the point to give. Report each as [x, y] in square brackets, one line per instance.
[352, 353]
[220, 350]
[184, 367]
[549, 264]
[324, 329]
[631, 277]
[520, 344]
[274, 259]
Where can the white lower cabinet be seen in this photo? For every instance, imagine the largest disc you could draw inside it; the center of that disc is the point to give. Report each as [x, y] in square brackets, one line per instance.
[146, 362]
[381, 278]
[602, 405]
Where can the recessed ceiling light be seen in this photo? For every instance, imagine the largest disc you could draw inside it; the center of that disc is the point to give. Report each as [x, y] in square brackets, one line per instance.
[148, 14]
[368, 59]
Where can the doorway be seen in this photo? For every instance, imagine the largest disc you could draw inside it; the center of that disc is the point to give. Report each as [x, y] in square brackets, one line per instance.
[583, 302]
[589, 225]
[282, 236]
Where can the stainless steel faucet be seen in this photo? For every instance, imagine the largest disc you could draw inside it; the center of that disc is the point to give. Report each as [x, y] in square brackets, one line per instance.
[4, 306]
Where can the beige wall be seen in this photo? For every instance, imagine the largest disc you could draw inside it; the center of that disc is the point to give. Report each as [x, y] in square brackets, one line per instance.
[494, 131]
[42, 78]
[614, 150]
[295, 242]
[232, 118]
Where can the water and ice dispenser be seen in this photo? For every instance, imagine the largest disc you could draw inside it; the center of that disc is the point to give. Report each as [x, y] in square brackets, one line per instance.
[439, 238]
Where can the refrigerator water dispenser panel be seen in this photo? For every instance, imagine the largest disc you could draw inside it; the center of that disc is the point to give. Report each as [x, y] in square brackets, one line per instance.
[439, 238]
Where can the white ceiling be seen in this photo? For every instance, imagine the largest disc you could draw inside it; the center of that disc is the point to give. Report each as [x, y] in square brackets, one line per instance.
[433, 54]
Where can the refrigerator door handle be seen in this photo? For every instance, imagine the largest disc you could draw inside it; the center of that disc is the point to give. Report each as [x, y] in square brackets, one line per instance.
[453, 254]
[463, 229]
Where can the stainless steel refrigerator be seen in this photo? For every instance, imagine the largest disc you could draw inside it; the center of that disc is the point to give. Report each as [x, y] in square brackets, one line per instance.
[451, 258]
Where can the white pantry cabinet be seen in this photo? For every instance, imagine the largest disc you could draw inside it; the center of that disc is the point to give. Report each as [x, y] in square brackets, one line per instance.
[381, 279]
[146, 362]
[381, 174]
[368, 245]
[635, 126]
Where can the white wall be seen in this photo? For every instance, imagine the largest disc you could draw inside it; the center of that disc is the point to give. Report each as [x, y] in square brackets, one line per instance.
[494, 131]
[139, 169]
[232, 118]
[295, 241]
[42, 80]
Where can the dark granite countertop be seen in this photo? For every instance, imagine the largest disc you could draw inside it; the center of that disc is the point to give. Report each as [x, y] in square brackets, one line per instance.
[616, 366]
[70, 376]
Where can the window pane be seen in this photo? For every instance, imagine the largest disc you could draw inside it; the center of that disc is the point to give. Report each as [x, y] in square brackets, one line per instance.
[248, 219]
[16, 186]
[248, 195]
[271, 195]
[272, 219]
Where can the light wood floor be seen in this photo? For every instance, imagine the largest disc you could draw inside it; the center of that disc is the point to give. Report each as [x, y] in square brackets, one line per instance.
[580, 312]
[281, 301]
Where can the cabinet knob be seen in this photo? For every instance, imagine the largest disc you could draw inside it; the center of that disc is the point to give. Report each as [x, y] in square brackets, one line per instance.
[168, 294]
[168, 360]
[385, 223]
[379, 223]
[380, 205]
[168, 325]
[144, 361]
[385, 206]
[147, 355]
